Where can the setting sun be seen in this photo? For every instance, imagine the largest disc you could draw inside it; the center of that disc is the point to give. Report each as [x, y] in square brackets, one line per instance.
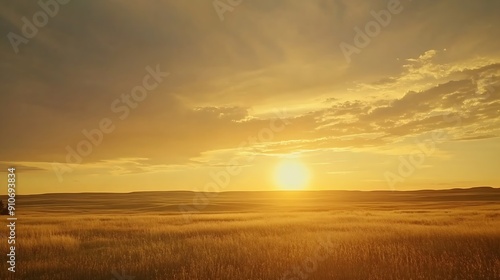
[292, 175]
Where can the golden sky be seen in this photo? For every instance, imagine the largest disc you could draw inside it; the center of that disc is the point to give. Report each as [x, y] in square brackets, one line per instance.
[251, 85]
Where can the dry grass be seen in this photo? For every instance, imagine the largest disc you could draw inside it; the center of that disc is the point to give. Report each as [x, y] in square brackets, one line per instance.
[390, 242]
[356, 245]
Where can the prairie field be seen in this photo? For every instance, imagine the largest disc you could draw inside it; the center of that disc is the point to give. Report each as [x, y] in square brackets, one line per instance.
[259, 235]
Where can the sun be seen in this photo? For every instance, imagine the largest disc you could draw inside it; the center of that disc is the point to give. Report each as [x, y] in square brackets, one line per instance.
[292, 175]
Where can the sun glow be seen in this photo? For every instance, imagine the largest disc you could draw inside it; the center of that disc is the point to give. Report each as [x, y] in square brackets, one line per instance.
[292, 175]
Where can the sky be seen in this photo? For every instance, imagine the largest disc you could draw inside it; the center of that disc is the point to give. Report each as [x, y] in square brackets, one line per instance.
[121, 96]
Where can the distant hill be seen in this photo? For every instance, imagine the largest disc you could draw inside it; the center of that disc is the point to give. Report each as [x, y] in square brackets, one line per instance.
[168, 202]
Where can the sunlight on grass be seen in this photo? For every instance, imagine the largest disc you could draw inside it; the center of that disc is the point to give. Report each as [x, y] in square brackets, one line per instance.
[431, 244]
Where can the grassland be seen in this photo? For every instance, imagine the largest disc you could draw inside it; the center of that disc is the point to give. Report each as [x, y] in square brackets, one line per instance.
[301, 235]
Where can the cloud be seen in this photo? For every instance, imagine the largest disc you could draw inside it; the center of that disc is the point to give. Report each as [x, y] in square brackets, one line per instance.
[20, 168]
[227, 75]
[479, 137]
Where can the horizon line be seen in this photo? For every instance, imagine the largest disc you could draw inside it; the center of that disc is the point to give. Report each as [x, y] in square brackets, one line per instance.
[255, 191]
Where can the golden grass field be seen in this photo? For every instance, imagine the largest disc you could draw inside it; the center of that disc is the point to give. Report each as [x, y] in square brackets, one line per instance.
[299, 235]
